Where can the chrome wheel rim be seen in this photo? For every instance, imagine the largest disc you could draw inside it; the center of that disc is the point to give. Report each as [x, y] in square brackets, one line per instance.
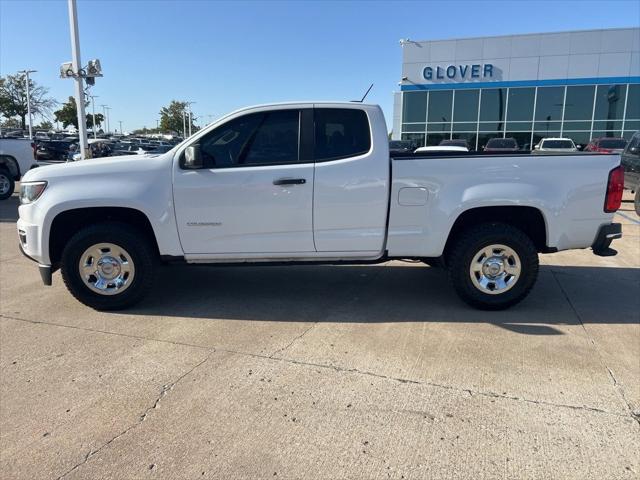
[5, 184]
[495, 269]
[106, 268]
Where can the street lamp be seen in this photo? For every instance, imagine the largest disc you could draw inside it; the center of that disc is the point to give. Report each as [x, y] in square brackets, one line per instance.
[120, 122]
[77, 66]
[93, 108]
[106, 116]
[26, 76]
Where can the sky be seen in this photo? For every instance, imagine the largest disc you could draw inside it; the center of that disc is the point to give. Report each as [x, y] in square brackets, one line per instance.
[226, 55]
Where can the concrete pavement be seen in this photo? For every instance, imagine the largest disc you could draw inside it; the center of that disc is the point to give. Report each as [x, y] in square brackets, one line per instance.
[324, 372]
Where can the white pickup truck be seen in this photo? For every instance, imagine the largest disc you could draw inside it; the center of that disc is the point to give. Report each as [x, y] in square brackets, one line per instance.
[17, 156]
[313, 182]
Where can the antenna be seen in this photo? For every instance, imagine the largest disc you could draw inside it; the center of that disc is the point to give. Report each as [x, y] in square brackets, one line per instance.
[365, 95]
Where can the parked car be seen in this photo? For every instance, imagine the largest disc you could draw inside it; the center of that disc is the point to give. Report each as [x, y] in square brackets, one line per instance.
[631, 164]
[441, 148]
[455, 142]
[52, 150]
[17, 156]
[397, 147]
[555, 145]
[313, 182]
[606, 145]
[501, 145]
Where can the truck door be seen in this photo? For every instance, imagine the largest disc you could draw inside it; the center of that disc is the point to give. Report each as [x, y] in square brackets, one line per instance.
[351, 188]
[255, 192]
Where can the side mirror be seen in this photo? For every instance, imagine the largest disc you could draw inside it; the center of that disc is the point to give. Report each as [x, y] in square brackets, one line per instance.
[537, 147]
[192, 157]
[634, 150]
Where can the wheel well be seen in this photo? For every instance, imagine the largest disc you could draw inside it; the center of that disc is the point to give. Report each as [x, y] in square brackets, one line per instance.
[527, 219]
[67, 223]
[11, 164]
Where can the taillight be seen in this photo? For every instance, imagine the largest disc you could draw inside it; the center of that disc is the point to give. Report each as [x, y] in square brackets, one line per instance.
[615, 186]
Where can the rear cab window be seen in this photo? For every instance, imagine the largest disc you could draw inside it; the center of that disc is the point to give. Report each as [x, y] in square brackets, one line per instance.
[340, 133]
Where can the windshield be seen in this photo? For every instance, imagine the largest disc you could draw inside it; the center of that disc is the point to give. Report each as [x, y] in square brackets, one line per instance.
[612, 143]
[558, 144]
[502, 143]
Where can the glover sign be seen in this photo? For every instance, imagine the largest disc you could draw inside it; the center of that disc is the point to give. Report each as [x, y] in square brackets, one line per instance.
[458, 72]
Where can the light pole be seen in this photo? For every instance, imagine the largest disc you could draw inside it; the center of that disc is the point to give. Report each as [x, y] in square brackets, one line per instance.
[106, 117]
[93, 108]
[184, 124]
[26, 76]
[120, 122]
[77, 66]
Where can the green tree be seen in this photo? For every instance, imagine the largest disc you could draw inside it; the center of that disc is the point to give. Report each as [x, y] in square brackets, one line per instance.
[13, 98]
[45, 125]
[68, 115]
[171, 117]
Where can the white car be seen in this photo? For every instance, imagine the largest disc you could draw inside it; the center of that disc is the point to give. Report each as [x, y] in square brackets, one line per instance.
[555, 145]
[17, 156]
[313, 183]
[441, 148]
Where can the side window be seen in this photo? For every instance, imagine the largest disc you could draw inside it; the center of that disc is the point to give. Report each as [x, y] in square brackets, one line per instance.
[340, 133]
[255, 139]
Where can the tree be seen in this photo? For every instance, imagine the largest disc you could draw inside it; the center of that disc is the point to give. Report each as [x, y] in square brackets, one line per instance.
[68, 115]
[13, 98]
[45, 125]
[171, 119]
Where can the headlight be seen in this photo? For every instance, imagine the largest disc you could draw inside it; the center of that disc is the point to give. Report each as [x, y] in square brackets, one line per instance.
[31, 191]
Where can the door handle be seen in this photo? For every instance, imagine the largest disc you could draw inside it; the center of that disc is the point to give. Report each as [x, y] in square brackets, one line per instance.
[290, 181]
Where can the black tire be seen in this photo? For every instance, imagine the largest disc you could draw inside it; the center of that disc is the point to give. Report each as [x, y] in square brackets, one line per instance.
[124, 236]
[636, 201]
[470, 242]
[5, 176]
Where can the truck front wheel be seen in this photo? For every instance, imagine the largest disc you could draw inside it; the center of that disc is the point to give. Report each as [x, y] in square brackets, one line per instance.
[108, 266]
[493, 266]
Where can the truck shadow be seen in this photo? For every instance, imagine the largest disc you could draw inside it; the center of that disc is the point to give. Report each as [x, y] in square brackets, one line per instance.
[389, 294]
[9, 209]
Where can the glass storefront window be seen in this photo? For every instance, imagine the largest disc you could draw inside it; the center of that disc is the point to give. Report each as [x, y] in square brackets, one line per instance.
[607, 125]
[549, 103]
[610, 102]
[579, 103]
[546, 127]
[518, 126]
[465, 107]
[491, 126]
[439, 127]
[414, 107]
[492, 104]
[465, 127]
[633, 102]
[416, 138]
[440, 106]
[606, 133]
[435, 138]
[632, 125]
[520, 105]
[414, 127]
[577, 125]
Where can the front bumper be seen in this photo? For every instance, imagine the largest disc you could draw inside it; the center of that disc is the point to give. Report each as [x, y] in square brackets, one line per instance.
[606, 234]
[46, 271]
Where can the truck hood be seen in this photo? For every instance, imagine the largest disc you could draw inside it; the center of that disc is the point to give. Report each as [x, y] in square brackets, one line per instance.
[125, 165]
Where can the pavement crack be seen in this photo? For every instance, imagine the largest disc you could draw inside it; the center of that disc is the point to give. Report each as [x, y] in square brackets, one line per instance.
[616, 386]
[165, 390]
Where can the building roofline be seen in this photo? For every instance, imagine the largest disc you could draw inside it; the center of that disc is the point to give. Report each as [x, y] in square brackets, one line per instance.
[525, 34]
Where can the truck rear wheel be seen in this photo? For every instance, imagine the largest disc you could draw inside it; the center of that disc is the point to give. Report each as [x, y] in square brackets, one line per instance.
[108, 266]
[493, 266]
[7, 184]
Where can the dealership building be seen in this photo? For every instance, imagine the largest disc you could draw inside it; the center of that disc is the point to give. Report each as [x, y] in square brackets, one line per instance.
[581, 85]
